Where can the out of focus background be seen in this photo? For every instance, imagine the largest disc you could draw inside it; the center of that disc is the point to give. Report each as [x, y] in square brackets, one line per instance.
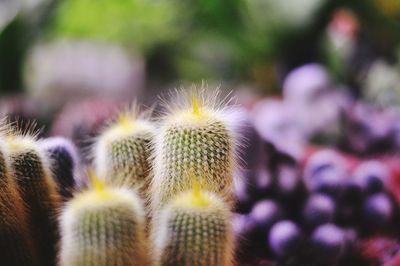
[318, 82]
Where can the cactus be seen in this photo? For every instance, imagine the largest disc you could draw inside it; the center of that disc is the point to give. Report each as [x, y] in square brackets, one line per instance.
[122, 151]
[63, 162]
[16, 246]
[103, 226]
[198, 138]
[38, 189]
[194, 228]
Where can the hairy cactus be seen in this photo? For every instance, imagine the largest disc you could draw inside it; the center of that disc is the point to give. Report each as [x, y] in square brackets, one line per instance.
[195, 138]
[38, 190]
[103, 226]
[194, 229]
[122, 151]
[63, 162]
[16, 245]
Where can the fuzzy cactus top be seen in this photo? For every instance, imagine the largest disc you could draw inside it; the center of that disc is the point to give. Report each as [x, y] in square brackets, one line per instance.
[104, 226]
[195, 138]
[122, 151]
[194, 229]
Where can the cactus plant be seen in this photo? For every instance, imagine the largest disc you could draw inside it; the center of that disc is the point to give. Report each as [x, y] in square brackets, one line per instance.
[103, 226]
[29, 168]
[122, 151]
[16, 245]
[196, 137]
[64, 163]
[194, 228]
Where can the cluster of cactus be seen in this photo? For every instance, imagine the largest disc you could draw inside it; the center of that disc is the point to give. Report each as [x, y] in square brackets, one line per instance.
[160, 192]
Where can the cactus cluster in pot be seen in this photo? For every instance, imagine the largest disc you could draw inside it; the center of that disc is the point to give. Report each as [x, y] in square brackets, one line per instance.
[160, 192]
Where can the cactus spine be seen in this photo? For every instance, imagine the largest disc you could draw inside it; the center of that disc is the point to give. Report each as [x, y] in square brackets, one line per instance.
[38, 190]
[122, 151]
[63, 162]
[195, 138]
[194, 229]
[103, 226]
[16, 246]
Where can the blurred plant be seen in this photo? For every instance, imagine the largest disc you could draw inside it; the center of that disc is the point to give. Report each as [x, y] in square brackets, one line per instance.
[360, 33]
[136, 23]
[340, 42]
[382, 83]
[89, 69]
[27, 21]
[8, 10]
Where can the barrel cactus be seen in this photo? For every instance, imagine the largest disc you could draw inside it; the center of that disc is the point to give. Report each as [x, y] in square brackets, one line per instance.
[122, 151]
[104, 226]
[194, 228]
[30, 169]
[16, 243]
[196, 137]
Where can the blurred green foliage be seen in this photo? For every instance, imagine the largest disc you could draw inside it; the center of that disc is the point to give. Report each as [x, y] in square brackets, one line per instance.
[140, 23]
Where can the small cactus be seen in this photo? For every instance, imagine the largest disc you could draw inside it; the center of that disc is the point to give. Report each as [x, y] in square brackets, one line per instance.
[29, 168]
[195, 138]
[16, 246]
[194, 228]
[122, 151]
[103, 226]
[63, 162]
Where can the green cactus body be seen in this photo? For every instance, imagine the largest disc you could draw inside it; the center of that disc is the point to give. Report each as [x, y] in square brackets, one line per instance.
[103, 226]
[16, 246]
[39, 192]
[194, 229]
[195, 140]
[122, 152]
